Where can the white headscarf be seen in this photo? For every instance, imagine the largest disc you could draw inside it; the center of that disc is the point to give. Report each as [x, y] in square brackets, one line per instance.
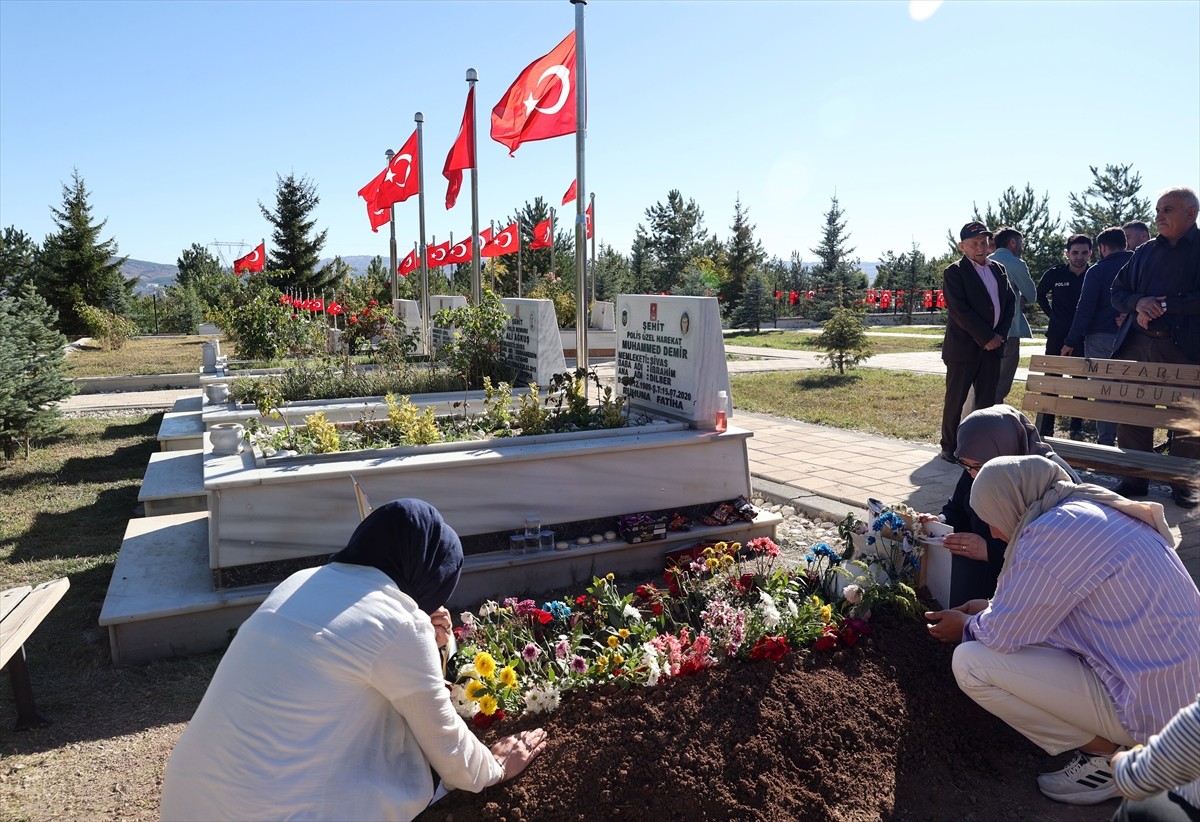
[1011, 492]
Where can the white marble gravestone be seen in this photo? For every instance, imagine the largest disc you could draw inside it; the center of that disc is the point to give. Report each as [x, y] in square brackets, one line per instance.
[532, 344]
[439, 335]
[408, 315]
[672, 350]
[602, 318]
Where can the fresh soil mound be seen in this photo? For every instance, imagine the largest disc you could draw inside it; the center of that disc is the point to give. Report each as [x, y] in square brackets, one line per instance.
[877, 732]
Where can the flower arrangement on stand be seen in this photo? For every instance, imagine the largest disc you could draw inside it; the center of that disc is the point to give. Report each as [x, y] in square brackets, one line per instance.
[718, 603]
[888, 560]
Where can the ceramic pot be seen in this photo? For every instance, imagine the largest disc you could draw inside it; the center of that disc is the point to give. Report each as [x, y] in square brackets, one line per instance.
[226, 437]
[217, 392]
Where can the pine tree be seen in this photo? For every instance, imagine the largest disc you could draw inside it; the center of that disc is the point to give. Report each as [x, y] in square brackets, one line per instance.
[1026, 213]
[32, 357]
[612, 273]
[295, 252]
[745, 254]
[754, 308]
[75, 266]
[18, 260]
[200, 271]
[1110, 200]
[836, 275]
[844, 339]
[676, 235]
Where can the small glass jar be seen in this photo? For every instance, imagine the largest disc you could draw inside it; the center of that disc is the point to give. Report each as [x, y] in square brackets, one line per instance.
[516, 544]
[546, 540]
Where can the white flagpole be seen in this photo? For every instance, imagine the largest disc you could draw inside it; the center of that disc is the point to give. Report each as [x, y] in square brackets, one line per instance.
[426, 322]
[389, 154]
[551, 242]
[476, 277]
[519, 254]
[592, 266]
[581, 341]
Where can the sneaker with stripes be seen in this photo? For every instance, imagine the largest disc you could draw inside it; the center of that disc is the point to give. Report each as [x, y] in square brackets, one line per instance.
[1088, 780]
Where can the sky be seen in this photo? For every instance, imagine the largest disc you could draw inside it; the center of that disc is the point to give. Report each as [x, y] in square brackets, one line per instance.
[180, 115]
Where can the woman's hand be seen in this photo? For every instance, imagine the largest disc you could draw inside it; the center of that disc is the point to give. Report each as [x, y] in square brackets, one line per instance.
[966, 544]
[973, 606]
[443, 625]
[516, 751]
[946, 625]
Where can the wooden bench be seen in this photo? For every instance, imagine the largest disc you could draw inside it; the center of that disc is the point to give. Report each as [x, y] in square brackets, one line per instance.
[1158, 395]
[21, 611]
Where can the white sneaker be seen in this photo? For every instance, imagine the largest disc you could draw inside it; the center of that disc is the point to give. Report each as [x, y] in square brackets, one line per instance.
[1088, 780]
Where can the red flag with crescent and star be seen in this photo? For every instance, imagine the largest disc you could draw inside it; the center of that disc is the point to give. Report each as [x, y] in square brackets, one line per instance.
[378, 216]
[252, 261]
[503, 243]
[409, 264]
[438, 255]
[540, 103]
[541, 235]
[397, 182]
[461, 252]
[570, 195]
[460, 155]
[588, 214]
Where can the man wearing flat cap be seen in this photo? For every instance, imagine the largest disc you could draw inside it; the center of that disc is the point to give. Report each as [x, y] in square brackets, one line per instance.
[980, 305]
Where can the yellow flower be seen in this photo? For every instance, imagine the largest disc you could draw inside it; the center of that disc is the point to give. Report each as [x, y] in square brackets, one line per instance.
[488, 705]
[711, 564]
[508, 676]
[613, 641]
[618, 659]
[475, 689]
[722, 546]
[826, 613]
[601, 662]
[737, 546]
[485, 664]
[726, 559]
[623, 633]
[610, 577]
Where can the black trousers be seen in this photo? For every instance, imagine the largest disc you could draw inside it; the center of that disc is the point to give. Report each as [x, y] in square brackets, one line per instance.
[1045, 422]
[983, 373]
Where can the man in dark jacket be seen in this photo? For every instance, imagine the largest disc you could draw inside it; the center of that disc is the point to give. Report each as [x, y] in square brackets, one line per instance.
[1160, 290]
[1058, 295]
[980, 306]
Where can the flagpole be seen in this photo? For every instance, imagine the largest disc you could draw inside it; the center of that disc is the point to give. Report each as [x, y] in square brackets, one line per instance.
[592, 267]
[426, 320]
[491, 233]
[581, 341]
[476, 277]
[389, 154]
[552, 243]
[518, 254]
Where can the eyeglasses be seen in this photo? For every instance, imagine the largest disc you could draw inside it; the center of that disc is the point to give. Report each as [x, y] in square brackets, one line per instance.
[968, 466]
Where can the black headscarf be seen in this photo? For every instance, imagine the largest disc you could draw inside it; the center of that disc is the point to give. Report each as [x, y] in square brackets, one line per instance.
[409, 541]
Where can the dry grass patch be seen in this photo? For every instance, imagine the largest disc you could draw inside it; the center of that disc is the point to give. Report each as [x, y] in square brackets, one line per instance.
[140, 355]
[63, 512]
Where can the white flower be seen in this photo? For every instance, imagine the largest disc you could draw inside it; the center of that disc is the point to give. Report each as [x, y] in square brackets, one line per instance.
[633, 613]
[852, 594]
[468, 670]
[539, 700]
[466, 618]
[653, 669]
[770, 613]
[458, 696]
[488, 608]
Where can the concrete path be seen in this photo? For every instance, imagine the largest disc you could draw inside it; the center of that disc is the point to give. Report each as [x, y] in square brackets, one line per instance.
[817, 469]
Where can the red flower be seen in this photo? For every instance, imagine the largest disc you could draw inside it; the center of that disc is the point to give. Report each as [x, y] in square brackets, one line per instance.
[746, 583]
[826, 642]
[373, 303]
[483, 722]
[646, 591]
[541, 616]
[656, 608]
[353, 318]
[769, 647]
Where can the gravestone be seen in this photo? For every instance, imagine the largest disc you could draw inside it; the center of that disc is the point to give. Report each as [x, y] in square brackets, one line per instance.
[603, 318]
[532, 344]
[672, 352]
[408, 315]
[439, 335]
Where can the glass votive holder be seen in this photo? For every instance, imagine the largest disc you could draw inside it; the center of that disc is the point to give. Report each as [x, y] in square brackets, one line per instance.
[516, 544]
[546, 540]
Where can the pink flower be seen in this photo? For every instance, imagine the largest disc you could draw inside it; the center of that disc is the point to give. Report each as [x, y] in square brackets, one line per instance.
[530, 652]
[853, 594]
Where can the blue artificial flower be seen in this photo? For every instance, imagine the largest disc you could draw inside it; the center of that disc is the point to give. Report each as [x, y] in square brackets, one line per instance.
[810, 557]
[558, 609]
[916, 563]
[870, 540]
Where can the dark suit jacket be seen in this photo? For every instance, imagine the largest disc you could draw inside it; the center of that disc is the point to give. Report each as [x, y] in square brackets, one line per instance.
[1183, 295]
[969, 326]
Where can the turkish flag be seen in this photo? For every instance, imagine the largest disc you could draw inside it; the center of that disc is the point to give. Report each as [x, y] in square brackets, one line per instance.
[570, 195]
[541, 235]
[397, 182]
[871, 296]
[409, 264]
[335, 307]
[438, 255]
[541, 102]
[252, 261]
[941, 299]
[460, 155]
[461, 253]
[588, 214]
[378, 216]
[929, 299]
[503, 243]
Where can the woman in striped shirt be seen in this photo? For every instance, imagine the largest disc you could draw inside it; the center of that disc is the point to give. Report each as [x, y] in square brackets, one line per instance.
[1092, 640]
[1170, 759]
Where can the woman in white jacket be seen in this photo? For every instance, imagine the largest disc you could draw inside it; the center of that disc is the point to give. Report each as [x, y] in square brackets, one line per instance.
[330, 702]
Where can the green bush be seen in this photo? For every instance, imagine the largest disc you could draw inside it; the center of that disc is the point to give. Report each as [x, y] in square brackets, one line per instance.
[844, 339]
[110, 329]
[262, 328]
[475, 350]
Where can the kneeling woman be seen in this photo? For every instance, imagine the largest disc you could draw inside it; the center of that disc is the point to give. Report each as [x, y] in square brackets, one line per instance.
[330, 702]
[1092, 640]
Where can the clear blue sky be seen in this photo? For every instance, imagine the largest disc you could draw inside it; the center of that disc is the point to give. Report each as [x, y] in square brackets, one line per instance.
[179, 115]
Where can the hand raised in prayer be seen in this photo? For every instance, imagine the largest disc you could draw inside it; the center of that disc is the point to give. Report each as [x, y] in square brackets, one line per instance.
[443, 625]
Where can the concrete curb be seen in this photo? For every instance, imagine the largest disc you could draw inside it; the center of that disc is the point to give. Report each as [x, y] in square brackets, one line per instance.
[812, 505]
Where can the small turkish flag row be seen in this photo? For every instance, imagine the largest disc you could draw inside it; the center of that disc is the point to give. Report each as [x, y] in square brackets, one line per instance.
[313, 304]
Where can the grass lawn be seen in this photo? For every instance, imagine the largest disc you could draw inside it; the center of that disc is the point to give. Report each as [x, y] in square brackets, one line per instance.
[63, 512]
[140, 355]
[793, 341]
[889, 403]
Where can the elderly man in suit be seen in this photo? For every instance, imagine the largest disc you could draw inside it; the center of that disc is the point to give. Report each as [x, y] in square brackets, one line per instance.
[980, 303]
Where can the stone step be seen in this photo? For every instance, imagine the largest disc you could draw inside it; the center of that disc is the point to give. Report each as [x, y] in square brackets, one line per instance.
[181, 431]
[174, 483]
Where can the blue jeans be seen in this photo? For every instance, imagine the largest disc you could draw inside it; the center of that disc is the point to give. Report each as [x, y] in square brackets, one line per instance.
[1100, 347]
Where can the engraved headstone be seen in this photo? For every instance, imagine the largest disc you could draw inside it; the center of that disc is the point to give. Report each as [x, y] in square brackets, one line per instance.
[603, 318]
[439, 335]
[408, 317]
[672, 351]
[532, 344]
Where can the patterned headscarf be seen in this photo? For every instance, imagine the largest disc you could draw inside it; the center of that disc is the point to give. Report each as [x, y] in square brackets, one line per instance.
[409, 541]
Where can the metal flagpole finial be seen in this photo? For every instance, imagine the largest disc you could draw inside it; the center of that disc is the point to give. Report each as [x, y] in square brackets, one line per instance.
[418, 117]
[472, 76]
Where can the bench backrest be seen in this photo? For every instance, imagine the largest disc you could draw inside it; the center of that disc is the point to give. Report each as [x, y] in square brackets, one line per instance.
[1153, 394]
[22, 610]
